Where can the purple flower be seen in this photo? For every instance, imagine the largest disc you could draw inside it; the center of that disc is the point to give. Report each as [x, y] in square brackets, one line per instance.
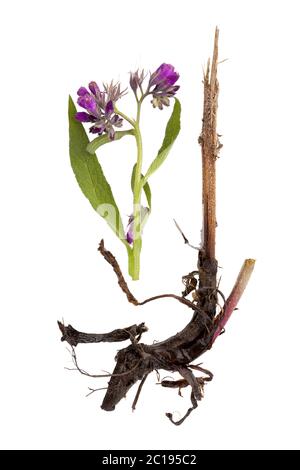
[82, 91]
[109, 108]
[164, 76]
[84, 117]
[100, 108]
[97, 130]
[94, 88]
[88, 102]
[163, 80]
[144, 215]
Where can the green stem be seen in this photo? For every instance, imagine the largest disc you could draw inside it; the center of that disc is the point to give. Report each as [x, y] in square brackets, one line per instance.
[137, 190]
[138, 113]
[135, 252]
[124, 116]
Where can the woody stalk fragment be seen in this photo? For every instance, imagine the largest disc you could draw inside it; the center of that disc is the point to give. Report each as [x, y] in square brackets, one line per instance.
[210, 309]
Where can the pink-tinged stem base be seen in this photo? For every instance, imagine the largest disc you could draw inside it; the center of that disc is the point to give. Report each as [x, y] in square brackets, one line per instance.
[236, 294]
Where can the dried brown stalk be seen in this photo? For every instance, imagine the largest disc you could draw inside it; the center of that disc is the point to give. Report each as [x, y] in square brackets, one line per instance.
[207, 264]
[210, 147]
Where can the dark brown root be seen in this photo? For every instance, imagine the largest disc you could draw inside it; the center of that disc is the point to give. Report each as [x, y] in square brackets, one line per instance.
[93, 390]
[74, 337]
[197, 385]
[184, 237]
[109, 257]
[182, 300]
[98, 376]
[183, 383]
[139, 392]
[180, 421]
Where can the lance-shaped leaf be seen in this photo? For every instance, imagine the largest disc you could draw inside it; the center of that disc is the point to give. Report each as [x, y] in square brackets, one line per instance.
[104, 139]
[146, 187]
[172, 131]
[90, 176]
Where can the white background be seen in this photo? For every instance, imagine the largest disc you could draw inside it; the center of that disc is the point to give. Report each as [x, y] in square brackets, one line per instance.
[50, 267]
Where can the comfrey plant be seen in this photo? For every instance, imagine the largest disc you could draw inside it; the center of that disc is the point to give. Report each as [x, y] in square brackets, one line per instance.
[101, 105]
[211, 309]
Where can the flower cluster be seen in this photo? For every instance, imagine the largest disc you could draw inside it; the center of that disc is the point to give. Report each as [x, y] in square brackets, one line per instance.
[161, 85]
[99, 105]
[163, 80]
[100, 108]
[102, 112]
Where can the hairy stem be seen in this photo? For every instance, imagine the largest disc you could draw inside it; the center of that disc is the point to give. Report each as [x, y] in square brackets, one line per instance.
[135, 251]
[125, 117]
[137, 190]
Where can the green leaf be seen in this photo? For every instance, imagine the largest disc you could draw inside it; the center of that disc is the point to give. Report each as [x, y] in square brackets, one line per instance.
[90, 176]
[104, 139]
[172, 131]
[146, 187]
[147, 192]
